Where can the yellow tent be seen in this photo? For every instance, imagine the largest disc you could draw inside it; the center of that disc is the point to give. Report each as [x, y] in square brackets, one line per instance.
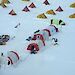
[5, 1]
[50, 12]
[3, 5]
[72, 5]
[43, 16]
[72, 16]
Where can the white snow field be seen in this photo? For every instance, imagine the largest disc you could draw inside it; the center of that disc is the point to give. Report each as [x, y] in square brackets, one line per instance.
[50, 60]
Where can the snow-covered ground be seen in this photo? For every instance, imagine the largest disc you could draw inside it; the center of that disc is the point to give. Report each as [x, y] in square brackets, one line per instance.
[51, 60]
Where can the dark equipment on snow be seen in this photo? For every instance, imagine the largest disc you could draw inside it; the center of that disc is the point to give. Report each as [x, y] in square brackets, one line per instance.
[29, 38]
[55, 40]
[36, 31]
[8, 62]
[2, 54]
[4, 39]
[17, 25]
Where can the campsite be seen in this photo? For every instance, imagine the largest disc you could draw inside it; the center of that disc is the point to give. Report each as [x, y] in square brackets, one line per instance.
[37, 37]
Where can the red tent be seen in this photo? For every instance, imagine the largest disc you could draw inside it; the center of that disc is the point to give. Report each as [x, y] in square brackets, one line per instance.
[32, 5]
[12, 12]
[59, 9]
[35, 46]
[26, 9]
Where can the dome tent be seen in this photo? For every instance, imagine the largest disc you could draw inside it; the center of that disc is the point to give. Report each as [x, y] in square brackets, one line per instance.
[53, 29]
[39, 36]
[45, 33]
[13, 57]
[36, 43]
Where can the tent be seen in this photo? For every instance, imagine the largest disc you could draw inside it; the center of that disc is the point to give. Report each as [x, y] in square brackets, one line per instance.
[50, 12]
[12, 12]
[35, 46]
[26, 9]
[72, 16]
[39, 36]
[13, 57]
[5, 1]
[32, 5]
[46, 34]
[36, 43]
[3, 5]
[42, 16]
[57, 22]
[72, 5]
[52, 29]
[47, 30]
[59, 9]
[46, 2]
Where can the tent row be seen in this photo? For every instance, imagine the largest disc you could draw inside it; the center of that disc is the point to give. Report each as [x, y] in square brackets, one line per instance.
[32, 5]
[4, 2]
[39, 38]
[37, 42]
[25, 9]
[51, 12]
[72, 6]
[46, 2]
